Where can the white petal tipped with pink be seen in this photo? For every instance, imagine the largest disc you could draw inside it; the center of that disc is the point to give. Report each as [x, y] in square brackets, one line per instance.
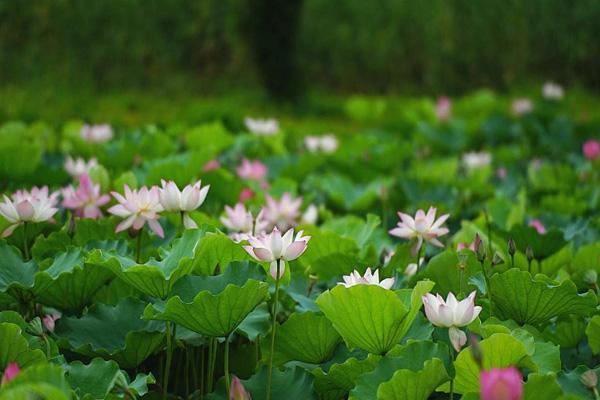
[369, 278]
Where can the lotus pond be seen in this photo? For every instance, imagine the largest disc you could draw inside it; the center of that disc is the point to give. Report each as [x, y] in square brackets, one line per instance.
[443, 249]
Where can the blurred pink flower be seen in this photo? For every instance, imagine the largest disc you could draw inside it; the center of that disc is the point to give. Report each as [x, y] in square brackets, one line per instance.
[246, 194]
[86, 200]
[591, 149]
[422, 227]
[28, 206]
[283, 213]
[521, 107]
[369, 278]
[78, 167]
[211, 165]
[443, 108]
[538, 225]
[96, 133]
[252, 170]
[237, 390]
[501, 384]
[501, 172]
[138, 207]
[11, 371]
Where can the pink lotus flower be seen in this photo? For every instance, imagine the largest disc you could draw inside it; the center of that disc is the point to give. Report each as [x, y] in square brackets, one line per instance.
[79, 166]
[591, 149]
[501, 384]
[471, 246]
[451, 314]
[422, 227]
[96, 133]
[252, 170]
[538, 225]
[182, 201]
[86, 200]
[11, 371]
[552, 91]
[246, 194]
[28, 206]
[521, 107]
[368, 278]
[237, 390]
[443, 108]
[283, 213]
[241, 224]
[262, 127]
[138, 207]
[49, 321]
[211, 165]
[273, 246]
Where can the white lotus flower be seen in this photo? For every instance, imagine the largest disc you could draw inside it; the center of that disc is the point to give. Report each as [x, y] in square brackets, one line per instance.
[283, 213]
[241, 224]
[96, 133]
[327, 143]
[310, 215]
[423, 227]
[552, 91]
[262, 127]
[273, 246]
[184, 201]
[28, 206]
[474, 159]
[78, 167]
[368, 278]
[138, 207]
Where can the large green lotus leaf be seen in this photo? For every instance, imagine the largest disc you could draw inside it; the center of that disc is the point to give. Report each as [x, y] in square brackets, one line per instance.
[567, 331]
[14, 347]
[353, 227]
[330, 254]
[542, 386]
[501, 350]
[593, 334]
[257, 323]
[340, 378]
[414, 385]
[154, 278]
[411, 357]
[543, 245]
[347, 194]
[370, 317]
[15, 274]
[526, 300]
[289, 384]
[114, 332]
[443, 269]
[42, 381]
[69, 283]
[209, 314]
[216, 249]
[306, 337]
[570, 382]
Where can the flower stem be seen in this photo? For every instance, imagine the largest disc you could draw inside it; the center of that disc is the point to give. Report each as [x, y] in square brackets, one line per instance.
[419, 252]
[168, 359]
[274, 317]
[226, 365]
[25, 242]
[453, 355]
[138, 249]
[487, 285]
[460, 280]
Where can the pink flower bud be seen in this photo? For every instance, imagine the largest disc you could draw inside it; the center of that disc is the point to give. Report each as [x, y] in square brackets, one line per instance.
[501, 384]
[11, 371]
[538, 225]
[211, 165]
[246, 194]
[237, 390]
[591, 149]
[49, 322]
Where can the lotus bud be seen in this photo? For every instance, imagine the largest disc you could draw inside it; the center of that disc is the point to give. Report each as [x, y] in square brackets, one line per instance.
[497, 260]
[512, 247]
[529, 253]
[237, 390]
[479, 249]
[590, 277]
[589, 379]
[476, 350]
[457, 337]
[11, 371]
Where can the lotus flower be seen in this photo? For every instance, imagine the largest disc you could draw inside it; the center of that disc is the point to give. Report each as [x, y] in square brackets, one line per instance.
[368, 278]
[96, 133]
[138, 207]
[423, 227]
[327, 143]
[412, 268]
[49, 321]
[211, 165]
[552, 91]
[79, 166]
[28, 206]
[310, 215]
[246, 194]
[11, 371]
[521, 107]
[451, 314]
[443, 108]
[538, 225]
[273, 246]
[262, 127]
[182, 201]
[474, 160]
[283, 213]
[237, 390]
[501, 384]
[501, 172]
[241, 224]
[591, 149]
[252, 170]
[86, 200]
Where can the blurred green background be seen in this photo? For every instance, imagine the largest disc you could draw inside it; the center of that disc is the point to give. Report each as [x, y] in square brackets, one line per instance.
[288, 49]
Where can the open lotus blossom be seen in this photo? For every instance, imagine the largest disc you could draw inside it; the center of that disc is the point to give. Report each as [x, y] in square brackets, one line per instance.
[501, 384]
[591, 149]
[451, 314]
[183, 201]
[10, 372]
[241, 224]
[538, 225]
[28, 206]
[283, 213]
[86, 200]
[96, 133]
[422, 227]
[138, 207]
[368, 278]
[262, 127]
[327, 143]
[521, 107]
[443, 108]
[252, 170]
[474, 160]
[78, 167]
[273, 246]
[237, 390]
[552, 91]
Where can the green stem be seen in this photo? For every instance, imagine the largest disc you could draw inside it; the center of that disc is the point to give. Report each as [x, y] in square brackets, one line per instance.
[138, 249]
[202, 371]
[489, 233]
[167, 370]
[274, 317]
[212, 361]
[512, 260]
[182, 227]
[226, 365]
[453, 358]
[419, 252]
[25, 243]
[47, 342]
[460, 280]
[187, 372]
[487, 284]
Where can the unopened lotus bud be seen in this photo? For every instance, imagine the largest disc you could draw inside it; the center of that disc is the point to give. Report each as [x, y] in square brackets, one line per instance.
[529, 253]
[476, 350]
[237, 390]
[589, 379]
[497, 260]
[512, 247]
[590, 277]
[480, 249]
